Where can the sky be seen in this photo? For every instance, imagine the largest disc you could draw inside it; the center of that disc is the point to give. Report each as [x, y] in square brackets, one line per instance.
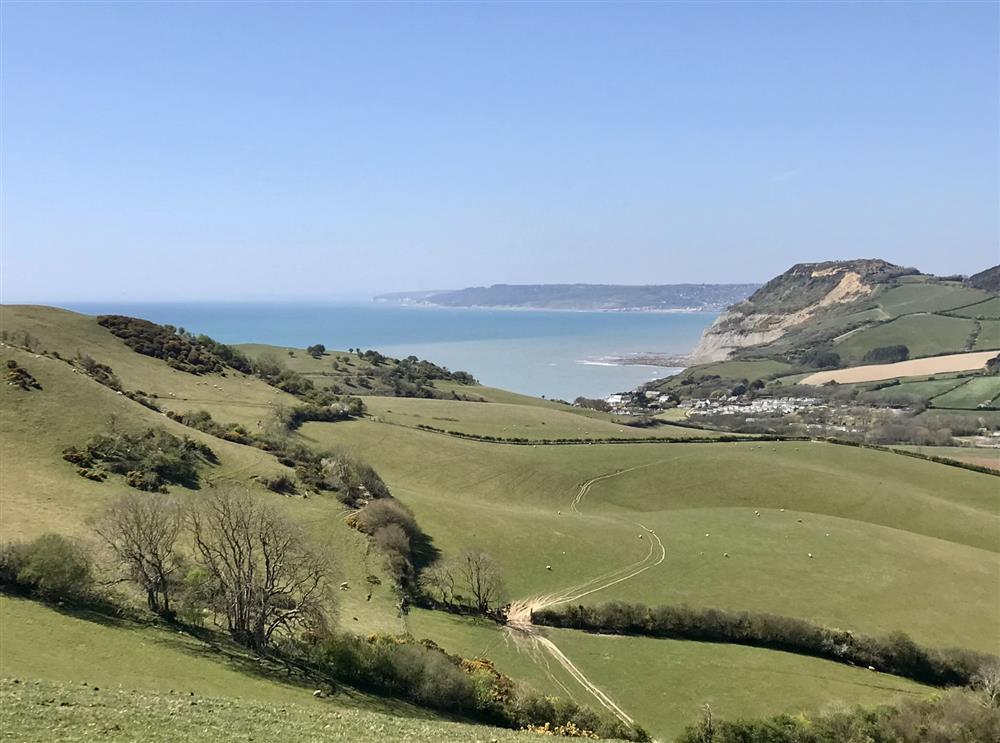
[229, 151]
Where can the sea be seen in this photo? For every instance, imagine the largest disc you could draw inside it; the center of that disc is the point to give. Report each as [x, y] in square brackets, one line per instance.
[556, 354]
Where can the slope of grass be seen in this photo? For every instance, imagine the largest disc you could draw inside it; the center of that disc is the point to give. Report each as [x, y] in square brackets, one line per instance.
[989, 308]
[970, 394]
[899, 527]
[504, 420]
[40, 492]
[972, 455]
[924, 335]
[989, 335]
[683, 676]
[928, 297]
[42, 712]
[125, 681]
[235, 397]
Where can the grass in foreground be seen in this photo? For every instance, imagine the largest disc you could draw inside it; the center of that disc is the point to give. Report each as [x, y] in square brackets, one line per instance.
[46, 711]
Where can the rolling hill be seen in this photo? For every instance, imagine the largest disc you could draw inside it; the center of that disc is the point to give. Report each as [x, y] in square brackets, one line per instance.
[853, 538]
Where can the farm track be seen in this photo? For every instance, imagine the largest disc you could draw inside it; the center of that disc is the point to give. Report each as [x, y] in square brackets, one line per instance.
[523, 632]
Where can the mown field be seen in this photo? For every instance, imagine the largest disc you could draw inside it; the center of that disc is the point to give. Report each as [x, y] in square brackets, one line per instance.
[896, 543]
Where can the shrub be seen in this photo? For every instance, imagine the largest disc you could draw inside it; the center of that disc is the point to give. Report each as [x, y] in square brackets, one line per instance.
[149, 460]
[959, 715]
[51, 566]
[425, 674]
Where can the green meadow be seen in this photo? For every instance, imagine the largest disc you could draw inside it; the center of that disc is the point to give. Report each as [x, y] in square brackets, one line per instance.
[858, 539]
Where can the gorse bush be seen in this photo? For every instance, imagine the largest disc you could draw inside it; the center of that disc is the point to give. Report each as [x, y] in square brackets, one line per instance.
[181, 351]
[896, 653]
[149, 460]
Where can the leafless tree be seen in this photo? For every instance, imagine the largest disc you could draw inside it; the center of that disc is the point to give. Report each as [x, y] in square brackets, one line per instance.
[987, 681]
[142, 532]
[267, 577]
[481, 576]
[440, 582]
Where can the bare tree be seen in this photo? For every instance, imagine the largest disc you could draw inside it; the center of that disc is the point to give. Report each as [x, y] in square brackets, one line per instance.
[265, 574]
[987, 681]
[440, 582]
[142, 532]
[481, 575]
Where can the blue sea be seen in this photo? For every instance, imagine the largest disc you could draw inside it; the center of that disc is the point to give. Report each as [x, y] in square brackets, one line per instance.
[555, 354]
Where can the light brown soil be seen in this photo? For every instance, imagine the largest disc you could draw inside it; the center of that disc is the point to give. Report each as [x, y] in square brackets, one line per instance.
[955, 362]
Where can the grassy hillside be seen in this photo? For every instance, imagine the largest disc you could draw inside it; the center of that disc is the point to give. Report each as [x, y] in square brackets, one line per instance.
[132, 682]
[897, 525]
[687, 675]
[508, 420]
[845, 537]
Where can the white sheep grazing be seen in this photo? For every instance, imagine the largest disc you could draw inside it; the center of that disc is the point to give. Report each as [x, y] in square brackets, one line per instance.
[725, 554]
[640, 536]
[810, 554]
[548, 567]
[706, 535]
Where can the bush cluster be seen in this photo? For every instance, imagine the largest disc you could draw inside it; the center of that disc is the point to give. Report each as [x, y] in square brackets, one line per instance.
[19, 377]
[886, 354]
[394, 530]
[51, 566]
[896, 654]
[97, 371]
[180, 350]
[149, 460]
[958, 716]
[426, 675]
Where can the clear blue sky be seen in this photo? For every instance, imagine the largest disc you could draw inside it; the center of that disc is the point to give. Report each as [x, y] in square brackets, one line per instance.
[226, 150]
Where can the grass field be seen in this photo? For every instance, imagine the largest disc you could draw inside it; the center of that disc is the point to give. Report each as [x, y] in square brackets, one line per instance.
[989, 335]
[972, 455]
[970, 394]
[898, 526]
[989, 308]
[41, 712]
[928, 297]
[126, 681]
[896, 542]
[924, 335]
[687, 674]
[506, 420]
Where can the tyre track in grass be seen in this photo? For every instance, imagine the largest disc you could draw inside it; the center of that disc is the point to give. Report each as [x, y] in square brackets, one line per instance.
[521, 629]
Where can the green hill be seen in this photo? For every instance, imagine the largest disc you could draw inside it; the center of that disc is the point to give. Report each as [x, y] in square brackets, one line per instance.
[858, 539]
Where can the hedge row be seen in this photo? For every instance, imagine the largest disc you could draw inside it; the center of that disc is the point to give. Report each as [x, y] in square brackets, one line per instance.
[896, 654]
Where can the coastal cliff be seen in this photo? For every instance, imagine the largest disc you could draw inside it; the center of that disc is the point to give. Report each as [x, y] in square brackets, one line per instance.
[802, 293]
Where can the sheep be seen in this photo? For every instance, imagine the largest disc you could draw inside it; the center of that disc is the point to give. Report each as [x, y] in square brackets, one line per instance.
[640, 536]
[725, 554]
[548, 567]
[810, 554]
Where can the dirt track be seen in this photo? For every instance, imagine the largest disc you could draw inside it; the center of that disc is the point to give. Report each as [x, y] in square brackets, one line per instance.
[914, 368]
[524, 633]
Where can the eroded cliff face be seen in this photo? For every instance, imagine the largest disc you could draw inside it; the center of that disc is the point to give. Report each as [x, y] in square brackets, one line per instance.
[789, 300]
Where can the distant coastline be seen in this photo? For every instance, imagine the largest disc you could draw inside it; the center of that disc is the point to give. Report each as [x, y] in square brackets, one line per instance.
[650, 298]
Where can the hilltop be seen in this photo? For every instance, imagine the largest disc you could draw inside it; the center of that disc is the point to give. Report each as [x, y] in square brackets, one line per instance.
[594, 297]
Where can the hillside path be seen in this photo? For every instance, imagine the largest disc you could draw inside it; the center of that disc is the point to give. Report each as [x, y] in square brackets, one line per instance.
[519, 614]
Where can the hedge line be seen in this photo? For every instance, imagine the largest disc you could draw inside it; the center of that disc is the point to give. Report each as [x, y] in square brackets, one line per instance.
[896, 654]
